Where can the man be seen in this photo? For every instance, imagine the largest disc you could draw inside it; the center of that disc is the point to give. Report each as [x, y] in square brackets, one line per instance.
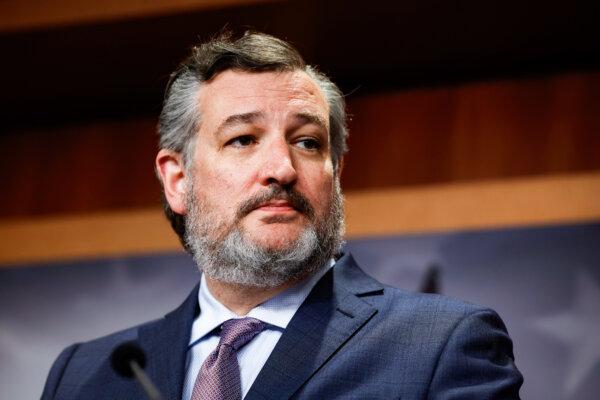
[251, 146]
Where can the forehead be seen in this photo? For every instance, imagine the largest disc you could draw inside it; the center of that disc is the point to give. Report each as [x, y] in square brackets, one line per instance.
[233, 92]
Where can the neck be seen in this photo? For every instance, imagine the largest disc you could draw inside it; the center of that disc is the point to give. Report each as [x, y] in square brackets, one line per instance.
[240, 298]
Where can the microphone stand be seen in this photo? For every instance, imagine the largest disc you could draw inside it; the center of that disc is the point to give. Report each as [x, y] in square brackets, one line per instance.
[149, 388]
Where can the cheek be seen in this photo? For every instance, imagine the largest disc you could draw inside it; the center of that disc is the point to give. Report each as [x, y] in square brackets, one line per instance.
[223, 189]
[319, 190]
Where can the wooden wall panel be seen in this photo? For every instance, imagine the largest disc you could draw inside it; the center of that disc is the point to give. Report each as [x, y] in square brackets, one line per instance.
[477, 131]
[79, 168]
[28, 14]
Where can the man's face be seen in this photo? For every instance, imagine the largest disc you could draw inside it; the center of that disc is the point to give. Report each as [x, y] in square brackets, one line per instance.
[262, 133]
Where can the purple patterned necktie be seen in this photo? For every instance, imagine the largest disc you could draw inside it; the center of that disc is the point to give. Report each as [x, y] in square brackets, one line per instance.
[219, 377]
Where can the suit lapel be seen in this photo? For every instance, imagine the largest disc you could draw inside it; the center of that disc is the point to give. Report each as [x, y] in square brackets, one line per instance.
[330, 316]
[166, 343]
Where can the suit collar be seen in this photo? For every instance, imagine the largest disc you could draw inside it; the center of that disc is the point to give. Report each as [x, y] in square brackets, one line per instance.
[352, 278]
[166, 344]
[333, 312]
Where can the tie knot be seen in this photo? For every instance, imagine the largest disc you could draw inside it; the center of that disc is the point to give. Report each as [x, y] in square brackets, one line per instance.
[237, 332]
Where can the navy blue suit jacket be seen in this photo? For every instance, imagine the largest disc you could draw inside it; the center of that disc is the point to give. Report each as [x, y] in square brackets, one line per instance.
[353, 338]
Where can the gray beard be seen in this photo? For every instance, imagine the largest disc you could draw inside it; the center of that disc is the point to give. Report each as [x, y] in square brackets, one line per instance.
[225, 254]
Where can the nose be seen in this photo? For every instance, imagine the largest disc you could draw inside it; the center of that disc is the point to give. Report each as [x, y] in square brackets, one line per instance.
[278, 166]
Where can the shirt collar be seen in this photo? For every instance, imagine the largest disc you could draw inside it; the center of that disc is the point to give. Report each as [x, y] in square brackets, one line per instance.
[277, 312]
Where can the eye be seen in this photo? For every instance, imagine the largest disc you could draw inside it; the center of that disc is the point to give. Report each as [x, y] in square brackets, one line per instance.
[309, 144]
[241, 141]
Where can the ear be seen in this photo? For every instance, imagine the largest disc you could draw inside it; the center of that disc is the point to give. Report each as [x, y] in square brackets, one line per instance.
[171, 171]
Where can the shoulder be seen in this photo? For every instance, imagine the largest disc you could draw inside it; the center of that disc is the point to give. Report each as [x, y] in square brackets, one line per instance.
[425, 319]
[429, 318]
[80, 368]
[393, 303]
[448, 343]
[79, 361]
[466, 345]
[98, 350]
[426, 306]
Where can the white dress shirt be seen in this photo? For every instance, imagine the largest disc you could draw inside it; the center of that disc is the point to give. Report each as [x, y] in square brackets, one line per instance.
[277, 312]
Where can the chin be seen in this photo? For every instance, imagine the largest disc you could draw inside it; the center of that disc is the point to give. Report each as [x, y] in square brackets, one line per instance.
[277, 238]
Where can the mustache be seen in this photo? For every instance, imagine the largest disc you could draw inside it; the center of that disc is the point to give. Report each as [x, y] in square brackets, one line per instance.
[277, 192]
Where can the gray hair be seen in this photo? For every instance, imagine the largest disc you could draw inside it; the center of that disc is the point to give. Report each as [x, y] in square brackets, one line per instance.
[252, 52]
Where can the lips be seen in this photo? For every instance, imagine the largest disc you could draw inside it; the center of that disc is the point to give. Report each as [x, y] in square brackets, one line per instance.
[276, 205]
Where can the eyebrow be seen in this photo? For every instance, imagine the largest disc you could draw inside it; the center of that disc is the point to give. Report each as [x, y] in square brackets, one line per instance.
[251, 117]
[239, 119]
[309, 118]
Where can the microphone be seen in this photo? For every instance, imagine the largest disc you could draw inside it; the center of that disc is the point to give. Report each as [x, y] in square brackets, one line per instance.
[129, 360]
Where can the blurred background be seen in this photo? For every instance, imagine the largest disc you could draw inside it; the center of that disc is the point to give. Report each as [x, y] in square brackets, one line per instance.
[474, 167]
